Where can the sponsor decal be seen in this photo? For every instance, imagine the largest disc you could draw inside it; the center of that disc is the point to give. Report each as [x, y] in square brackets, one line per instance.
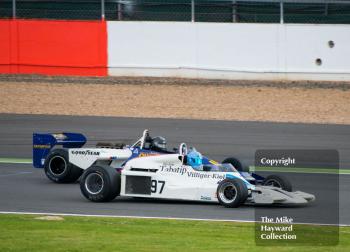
[192, 174]
[213, 162]
[41, 146]
[85, 152]
[59, 136]
[170, 168]
[205, 198]
[148, 154]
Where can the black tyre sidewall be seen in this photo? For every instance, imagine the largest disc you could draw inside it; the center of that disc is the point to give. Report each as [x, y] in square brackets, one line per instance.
[283, 181]
[71, 173]
[111, 187]
[242, 192]
[236, 163]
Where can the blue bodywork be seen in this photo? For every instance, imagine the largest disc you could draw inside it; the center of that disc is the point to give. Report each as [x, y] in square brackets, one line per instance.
[43, 143]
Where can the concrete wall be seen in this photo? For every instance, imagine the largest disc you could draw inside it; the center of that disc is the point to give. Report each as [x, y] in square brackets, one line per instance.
[234, 51]
[175, 49]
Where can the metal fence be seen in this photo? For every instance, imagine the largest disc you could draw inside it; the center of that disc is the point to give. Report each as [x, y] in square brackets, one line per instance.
[244, 11]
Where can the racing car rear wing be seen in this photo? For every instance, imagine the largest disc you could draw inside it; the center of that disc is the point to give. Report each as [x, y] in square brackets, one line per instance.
[43, 143]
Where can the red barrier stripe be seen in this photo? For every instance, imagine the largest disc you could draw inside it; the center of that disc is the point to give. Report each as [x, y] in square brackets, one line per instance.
[5, 46]
[53, 47]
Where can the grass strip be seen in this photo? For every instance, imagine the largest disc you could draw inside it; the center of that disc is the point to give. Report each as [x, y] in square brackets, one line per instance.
[16, 160]
[299, 170]
[27, 233]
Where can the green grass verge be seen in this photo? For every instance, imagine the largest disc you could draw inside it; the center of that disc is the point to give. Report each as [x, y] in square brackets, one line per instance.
[299, 170]
[25, 233]
[16, 160]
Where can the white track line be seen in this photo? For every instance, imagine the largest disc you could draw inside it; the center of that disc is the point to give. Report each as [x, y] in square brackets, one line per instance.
[154, 217]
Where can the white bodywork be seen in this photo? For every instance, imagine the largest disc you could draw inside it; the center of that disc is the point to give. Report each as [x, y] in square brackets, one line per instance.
[172, 180]
[166, 177]
[85, 157]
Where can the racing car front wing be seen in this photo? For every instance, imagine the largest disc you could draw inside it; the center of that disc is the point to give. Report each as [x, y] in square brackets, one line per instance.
[266, 195]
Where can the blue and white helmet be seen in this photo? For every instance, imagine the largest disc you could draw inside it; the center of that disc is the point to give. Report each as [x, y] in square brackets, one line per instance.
[194, 158]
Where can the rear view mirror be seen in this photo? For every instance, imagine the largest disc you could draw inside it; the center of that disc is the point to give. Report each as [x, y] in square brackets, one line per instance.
[183, 149]
[183, 153]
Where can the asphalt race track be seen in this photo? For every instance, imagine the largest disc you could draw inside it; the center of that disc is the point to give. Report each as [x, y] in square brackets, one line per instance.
[26, 189]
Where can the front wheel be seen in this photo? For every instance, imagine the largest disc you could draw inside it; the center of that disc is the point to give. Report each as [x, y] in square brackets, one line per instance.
[236, 164]
[278, 181]
[232, 192]
[100, 183]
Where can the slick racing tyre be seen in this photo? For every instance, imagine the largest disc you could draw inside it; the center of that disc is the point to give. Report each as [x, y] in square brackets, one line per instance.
[100, 183]
[236, 164]
[278, 181]
[58, 169]
[232, 192]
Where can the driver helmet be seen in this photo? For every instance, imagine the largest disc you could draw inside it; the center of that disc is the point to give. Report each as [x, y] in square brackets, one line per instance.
[194, 159]
[158, 143]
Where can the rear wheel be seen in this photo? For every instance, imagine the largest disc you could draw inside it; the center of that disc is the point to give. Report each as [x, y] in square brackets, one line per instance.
[58, 169]
[236, 164]
[278, 181]
[100, 183]
[232, 192]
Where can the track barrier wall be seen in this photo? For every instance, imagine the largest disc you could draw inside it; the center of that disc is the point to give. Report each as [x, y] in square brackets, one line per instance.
[175, 49]
[232, 51]
[53, 47]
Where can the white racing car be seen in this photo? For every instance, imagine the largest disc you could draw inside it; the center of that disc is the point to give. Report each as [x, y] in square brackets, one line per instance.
[147, 169]
[182, 176]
